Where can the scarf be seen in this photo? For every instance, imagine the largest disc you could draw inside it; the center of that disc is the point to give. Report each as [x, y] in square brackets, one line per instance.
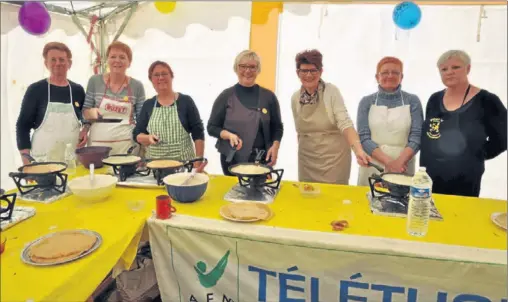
[309, 99]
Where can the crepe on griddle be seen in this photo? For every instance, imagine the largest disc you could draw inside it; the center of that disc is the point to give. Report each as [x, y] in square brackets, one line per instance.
[121, 160]
[61, 247]
[247, 211]
[43, 168]
[163, 163]
[250, 169]
[501, 219]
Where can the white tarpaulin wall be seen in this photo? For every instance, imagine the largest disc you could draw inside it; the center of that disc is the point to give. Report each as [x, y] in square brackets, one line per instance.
[200, 41]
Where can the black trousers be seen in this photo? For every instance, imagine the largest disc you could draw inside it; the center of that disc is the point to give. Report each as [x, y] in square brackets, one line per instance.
[225, 166]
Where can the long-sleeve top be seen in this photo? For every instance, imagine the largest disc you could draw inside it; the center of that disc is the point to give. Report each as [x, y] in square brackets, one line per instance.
[334, 103]
[455, 144]
[96, 89]
[391, 100]
[248, 96]
[188, 115]
[35, 102]
[482, 121]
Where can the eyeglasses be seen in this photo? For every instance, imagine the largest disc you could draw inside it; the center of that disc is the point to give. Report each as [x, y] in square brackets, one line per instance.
[160, 75]
[307, 71]
[244, 67]
[387, 73]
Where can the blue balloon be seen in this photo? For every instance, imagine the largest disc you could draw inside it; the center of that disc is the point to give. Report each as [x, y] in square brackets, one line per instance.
[407, 15]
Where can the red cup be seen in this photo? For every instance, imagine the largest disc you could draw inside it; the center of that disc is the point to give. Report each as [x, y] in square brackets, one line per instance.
[164, 209]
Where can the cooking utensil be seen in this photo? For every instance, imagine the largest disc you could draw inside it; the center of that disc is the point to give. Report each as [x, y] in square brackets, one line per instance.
[160, 173]
[92, 154]
[42, 178]
[105, 120]
[231, 154]
[259, 156]
[377, 167]
[92, 178]
[193, 173]
[395, 189]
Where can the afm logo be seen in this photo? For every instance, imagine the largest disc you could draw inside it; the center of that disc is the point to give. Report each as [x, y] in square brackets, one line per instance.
[211, 278]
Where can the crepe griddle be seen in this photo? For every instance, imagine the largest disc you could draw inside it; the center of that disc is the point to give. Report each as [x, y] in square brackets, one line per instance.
[106, 120]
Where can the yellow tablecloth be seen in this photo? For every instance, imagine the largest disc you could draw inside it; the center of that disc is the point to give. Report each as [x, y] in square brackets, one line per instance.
[466, 222]
[119, 226]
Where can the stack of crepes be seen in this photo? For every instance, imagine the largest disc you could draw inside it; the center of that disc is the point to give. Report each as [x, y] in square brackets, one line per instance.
[61, 247]
[247, 211]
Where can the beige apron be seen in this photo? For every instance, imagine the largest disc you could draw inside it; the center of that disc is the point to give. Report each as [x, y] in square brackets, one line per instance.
[389, 129]
[323, 153]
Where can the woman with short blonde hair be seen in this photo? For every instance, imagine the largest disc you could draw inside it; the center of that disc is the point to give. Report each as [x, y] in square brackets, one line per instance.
[389, 123]
[464, 126]
[246, 117]
[326, 133]
[114, 95]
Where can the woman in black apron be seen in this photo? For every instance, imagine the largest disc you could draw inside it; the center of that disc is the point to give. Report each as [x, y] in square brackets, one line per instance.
[246, 116]
[464, 126]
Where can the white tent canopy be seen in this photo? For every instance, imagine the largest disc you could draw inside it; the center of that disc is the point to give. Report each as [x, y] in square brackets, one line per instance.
[201, 39]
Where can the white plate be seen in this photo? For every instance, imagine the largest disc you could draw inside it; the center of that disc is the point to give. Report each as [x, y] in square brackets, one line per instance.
[25, 257]
[242, 220]
[493, 218]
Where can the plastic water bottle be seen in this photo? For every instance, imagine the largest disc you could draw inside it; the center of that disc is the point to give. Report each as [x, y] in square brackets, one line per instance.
[70, 160]
[420, 195]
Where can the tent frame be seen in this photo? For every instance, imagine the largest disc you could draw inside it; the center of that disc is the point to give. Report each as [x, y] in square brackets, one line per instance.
[98, 22]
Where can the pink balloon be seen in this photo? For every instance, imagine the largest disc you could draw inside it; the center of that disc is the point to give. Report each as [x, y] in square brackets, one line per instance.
[34, 18]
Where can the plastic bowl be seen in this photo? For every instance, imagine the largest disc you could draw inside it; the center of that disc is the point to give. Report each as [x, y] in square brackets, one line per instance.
[189, 193]
[92, 155]
[102, 188]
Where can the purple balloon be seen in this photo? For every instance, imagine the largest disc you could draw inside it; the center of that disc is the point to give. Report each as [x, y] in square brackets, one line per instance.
[34, 18]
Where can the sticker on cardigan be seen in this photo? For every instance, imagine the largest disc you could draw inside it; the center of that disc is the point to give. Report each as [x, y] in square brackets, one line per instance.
[264, 110]
[434, 132]
[76, 104]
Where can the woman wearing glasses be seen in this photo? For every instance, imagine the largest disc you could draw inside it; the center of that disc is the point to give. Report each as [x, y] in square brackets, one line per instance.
[390, 123]
[246, 117]
[169, 124]
[326, 134]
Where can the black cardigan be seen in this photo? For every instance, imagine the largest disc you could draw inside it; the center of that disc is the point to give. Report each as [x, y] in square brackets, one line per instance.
[187, 113]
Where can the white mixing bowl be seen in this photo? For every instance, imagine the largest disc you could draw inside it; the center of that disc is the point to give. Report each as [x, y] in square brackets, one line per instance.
[101, 189]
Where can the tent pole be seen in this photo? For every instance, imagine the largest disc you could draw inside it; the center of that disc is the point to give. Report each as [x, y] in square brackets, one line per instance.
[133, 8]
[102, 37]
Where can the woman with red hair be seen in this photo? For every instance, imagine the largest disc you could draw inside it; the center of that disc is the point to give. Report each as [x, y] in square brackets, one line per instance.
[325, 131]
[114, 95]
[389, 122]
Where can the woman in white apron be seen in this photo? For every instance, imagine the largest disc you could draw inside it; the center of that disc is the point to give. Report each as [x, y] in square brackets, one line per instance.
[326, 134]
[114, 96]
[390, 123]
[169, 124]
[53, 107]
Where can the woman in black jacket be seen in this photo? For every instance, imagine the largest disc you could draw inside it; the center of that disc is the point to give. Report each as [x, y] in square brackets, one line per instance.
[246, 117]
[464, 126]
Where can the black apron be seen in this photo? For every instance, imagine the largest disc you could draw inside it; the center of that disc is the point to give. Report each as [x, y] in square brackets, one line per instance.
[454, 169]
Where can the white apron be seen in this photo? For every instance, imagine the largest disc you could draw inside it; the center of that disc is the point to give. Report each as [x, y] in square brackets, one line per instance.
[59, 127]
[389, 129]
[118, 136]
